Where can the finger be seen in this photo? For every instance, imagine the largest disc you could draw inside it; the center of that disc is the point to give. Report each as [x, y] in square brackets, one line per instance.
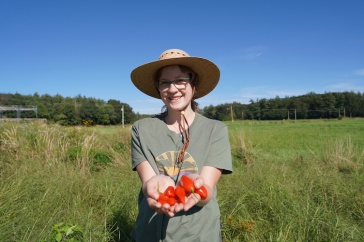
[191, 201]
[196, 197]
[152, 193]
[153, 203]
[188, 205]
[167, 210]
[178, 207]
[170, 214]
[159, 208]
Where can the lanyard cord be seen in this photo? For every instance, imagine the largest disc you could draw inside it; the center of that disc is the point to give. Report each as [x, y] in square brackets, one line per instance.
[186, 142]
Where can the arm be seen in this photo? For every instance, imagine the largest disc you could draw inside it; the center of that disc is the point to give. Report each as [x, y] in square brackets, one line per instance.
[211, 176]
[145, 172]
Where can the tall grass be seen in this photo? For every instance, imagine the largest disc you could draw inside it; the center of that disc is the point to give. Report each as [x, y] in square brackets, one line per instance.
[300, 181]
[303, 182]
[51, 174]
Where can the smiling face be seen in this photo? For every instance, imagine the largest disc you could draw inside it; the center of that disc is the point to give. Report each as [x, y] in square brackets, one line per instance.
[175, 99]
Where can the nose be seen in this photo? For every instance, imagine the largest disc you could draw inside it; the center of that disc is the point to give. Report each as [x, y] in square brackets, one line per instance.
[172, 88]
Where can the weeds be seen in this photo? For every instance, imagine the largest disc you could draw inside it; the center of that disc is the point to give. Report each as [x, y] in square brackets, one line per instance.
[343, 155]
[66, 232]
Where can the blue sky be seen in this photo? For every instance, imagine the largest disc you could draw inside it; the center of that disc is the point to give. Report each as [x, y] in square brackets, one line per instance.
[264, 49]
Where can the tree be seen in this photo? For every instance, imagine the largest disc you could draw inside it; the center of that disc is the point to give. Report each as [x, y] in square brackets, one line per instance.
[329, 102]
[209, 111]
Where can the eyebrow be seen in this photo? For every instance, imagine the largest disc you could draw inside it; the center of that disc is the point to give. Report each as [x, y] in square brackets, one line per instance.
[178, 78]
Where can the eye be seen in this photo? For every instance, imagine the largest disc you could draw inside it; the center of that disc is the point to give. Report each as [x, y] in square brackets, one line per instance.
[163, 83]
[180, 81]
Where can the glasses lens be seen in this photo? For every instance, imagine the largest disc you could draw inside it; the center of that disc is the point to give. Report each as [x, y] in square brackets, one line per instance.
[180, 84]
[162, 86]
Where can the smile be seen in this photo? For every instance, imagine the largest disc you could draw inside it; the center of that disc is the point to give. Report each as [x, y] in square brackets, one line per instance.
[175, 98]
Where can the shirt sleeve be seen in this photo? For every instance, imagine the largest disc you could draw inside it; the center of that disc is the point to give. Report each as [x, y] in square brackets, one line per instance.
[219, 155]
[137, 154]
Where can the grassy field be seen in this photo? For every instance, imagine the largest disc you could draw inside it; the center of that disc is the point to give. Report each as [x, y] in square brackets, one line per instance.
[292, 181]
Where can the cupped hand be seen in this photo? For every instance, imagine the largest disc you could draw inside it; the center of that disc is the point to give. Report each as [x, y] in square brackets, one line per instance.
[151, 190]
[193, 198]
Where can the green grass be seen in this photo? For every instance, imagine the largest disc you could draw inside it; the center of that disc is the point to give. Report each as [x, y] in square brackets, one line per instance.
[292, 181]
[298, 181]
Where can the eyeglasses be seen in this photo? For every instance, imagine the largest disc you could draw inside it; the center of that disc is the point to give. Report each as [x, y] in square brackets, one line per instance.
[180, 84]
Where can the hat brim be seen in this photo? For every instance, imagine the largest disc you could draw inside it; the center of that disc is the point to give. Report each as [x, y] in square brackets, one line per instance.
[208, 73]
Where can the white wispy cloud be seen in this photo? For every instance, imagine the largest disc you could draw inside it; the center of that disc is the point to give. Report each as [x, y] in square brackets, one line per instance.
[252, 52]
[248, 53]
[359, 72]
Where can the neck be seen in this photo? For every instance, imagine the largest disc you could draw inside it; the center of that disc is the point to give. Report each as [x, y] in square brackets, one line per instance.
[176, 116]
[176, 122]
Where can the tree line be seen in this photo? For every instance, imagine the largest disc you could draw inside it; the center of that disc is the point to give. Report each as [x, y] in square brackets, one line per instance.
[70, 110]
[308, 106]
[90, 111]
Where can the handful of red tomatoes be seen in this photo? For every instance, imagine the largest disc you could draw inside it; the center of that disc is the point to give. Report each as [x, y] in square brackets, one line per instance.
[178, 195]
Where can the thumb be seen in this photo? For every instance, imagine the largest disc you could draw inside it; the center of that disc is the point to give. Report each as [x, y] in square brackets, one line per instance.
[199, 182]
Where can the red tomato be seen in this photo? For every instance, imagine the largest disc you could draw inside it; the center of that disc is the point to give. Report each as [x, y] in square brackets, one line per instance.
[171, 201]
[181, 194]
[187, 184]
[162, 198]
[170, 191]
[202, 192]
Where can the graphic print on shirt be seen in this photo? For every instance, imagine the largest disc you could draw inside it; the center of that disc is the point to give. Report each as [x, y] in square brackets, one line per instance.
[166, 164]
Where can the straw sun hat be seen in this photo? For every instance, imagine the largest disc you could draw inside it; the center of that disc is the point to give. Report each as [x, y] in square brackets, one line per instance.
[208, 73]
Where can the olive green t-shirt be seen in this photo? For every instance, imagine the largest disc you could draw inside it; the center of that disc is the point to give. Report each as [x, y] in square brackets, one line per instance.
[209, 146]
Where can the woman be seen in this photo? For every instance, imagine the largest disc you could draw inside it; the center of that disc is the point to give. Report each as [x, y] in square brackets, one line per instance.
[178, 142]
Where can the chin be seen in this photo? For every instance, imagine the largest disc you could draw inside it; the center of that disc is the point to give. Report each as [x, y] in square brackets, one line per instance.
[178, 106]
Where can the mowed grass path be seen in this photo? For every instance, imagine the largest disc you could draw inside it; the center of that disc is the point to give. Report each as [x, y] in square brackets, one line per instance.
[281, 139]
[292, 181]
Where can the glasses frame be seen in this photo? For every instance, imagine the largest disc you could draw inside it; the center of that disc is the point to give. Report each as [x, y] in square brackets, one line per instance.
[187, 79]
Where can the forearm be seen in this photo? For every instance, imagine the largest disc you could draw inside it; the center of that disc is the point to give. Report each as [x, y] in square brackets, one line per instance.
[145, 172]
